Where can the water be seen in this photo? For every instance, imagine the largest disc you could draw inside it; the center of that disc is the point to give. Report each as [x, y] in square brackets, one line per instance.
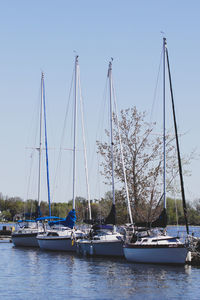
[35, 274]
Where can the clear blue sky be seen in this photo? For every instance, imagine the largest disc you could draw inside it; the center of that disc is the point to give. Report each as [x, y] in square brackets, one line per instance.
[40, 35]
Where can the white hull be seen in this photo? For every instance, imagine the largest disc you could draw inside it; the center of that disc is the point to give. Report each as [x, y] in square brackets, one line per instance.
[164, 255]
[61, 239]
[57, 244]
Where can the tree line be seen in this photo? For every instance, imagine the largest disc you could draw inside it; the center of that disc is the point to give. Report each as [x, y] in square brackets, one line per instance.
[15, 208]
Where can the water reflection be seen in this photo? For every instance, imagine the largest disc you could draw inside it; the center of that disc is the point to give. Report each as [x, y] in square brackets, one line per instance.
[121, 277]
[53, 275]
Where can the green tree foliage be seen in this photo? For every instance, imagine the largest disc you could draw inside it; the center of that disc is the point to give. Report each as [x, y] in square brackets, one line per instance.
[175, 212]
[12, 208]
[105, 205]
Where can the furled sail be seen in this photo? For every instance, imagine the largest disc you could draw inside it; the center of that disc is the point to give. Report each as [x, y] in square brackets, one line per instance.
[161, 221]
[68, 222]
[111, 218]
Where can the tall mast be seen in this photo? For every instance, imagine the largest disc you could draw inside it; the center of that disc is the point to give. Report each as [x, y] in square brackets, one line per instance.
[111, 129]
[46, 150]
[164, 128]
[40, 141]
[177, 146]
[75, 123]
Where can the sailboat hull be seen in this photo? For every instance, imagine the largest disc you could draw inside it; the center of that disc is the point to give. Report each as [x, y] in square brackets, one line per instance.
[159, 254]
[57, 244]
[100, 248]
[25, 239]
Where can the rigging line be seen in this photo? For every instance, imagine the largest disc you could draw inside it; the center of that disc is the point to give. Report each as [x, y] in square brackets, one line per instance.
[103, 108]
[98, 181]
[29, 177]
[84, 144]
[161, 197]
[99, 134]
[62, 135]
[174, 195]
[156, 87]
[36, 113]
[122, 158]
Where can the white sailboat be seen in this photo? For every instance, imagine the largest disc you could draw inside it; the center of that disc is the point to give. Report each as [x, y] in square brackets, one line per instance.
[27, 230]
[62, 235]
[154, 245]
[104, 239]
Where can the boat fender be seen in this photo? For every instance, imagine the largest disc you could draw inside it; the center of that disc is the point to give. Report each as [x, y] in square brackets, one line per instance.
[189, 257]
[73, 238]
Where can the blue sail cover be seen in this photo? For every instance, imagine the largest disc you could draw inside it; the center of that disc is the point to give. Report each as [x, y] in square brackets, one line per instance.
[68, 222]
[49, 218]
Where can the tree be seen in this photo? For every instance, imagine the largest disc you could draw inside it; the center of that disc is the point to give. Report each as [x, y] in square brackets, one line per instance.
[143, 159]
[175, 211]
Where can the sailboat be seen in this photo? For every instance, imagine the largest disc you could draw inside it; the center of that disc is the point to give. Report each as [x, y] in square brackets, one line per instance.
[27, 230]
[151, 245]
[104, 239]
[62, 234]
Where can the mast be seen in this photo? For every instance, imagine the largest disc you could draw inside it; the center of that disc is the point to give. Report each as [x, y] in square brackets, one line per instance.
[111, 218]
[111, 130]
[164, 128]
[40, 140]
[46, 149]
[177, 145]
[75, 124]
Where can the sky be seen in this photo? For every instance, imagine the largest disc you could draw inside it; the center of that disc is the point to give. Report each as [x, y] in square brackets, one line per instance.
[46, 35]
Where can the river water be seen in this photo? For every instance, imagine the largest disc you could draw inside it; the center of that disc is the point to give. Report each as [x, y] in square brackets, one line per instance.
[36, 274]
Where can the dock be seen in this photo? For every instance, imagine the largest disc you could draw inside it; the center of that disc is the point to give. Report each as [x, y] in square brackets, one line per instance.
[5, 234]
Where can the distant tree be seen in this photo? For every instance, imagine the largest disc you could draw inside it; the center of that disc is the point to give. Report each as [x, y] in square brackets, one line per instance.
[193, 214]
[95, 210]
[14, 205]
[175, 211]
[6, 215]
[196, 205]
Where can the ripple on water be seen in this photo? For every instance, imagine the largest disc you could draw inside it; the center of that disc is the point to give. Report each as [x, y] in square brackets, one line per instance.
[36, 274]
